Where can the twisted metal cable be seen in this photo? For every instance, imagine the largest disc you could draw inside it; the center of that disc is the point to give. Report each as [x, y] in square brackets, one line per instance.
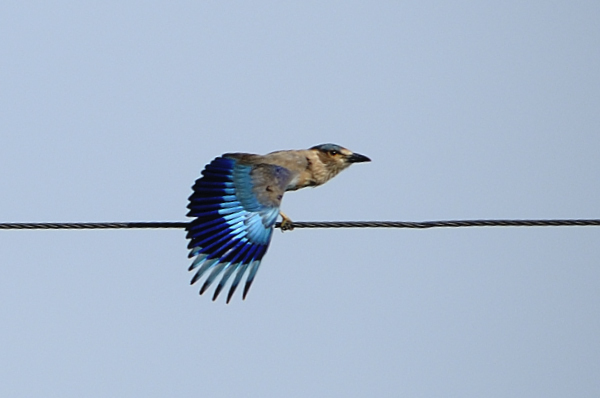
[317, 224]
[95, 225]
[446, 224]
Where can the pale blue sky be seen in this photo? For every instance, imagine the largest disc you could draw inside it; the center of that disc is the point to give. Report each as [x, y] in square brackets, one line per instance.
[110, 110]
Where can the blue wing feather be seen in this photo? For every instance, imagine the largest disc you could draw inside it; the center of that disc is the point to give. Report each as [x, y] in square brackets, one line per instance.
[233, 227]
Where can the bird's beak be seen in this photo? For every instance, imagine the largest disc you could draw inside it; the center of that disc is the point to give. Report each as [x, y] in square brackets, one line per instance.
[357, 158]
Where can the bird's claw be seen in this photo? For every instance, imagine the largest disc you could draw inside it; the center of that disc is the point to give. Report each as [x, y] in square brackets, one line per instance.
[286, 223]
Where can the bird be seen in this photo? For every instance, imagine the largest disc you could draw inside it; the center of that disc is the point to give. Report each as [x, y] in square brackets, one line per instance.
[236, 202]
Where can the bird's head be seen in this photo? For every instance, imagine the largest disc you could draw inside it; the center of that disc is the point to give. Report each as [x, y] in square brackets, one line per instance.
[336, 158]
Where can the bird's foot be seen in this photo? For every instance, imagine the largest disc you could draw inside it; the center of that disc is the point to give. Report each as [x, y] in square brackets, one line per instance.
[286, 223]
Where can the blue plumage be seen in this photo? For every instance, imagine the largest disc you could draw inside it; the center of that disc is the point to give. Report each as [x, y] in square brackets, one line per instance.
[236, 202]
[232, 228]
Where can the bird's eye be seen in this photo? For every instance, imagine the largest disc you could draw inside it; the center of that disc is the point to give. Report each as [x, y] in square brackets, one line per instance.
[333, 152]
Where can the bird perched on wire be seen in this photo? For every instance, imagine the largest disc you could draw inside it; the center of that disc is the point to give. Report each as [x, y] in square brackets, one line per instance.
[236, 203]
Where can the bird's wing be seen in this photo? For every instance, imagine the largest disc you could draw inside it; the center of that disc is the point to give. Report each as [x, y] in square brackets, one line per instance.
[235, 204]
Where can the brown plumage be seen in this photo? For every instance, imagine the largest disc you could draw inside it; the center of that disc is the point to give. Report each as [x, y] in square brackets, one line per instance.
[309, 167]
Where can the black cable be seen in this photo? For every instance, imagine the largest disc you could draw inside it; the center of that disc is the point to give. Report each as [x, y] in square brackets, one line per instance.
[316, 224]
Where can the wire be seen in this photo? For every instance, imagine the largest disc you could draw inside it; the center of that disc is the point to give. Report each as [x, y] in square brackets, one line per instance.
[316, 224]
[94, 225]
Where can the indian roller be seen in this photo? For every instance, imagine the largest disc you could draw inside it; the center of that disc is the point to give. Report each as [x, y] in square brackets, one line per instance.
[236, 202]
